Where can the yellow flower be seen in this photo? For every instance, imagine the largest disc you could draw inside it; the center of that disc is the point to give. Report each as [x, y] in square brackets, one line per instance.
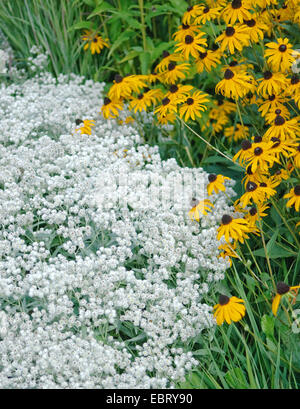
[271, 84]
[178, 93]
[124, 86]
[194, 105]
[281, 289]
[283, 129]
[261, 156]
[235, 85]
[234, 38]
[184, 30]
[273, 102]
[237, 10]
[236, 133]
[296, 156]
[243, 154]
[110, 108]
[191, 13]
[235, 229]
[216, 183]
[280, 55]
[202, 206]
[256, 28]
[256, 193]
[166, 107]
[294, 196]
[228, 251]
[145, 99]
[192, 45]
[86, 127]
[175, 72]
[167, 58]
[207, 60]
[229, 309]
[166, 118]
[207, 14]
[95, 42]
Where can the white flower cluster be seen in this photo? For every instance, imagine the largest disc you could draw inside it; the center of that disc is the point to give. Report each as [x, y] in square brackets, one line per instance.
[103, 277]
[38, 60]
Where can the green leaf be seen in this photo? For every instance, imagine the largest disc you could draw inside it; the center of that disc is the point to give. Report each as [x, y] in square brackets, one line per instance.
[101, 9]
[89, 25]
[267, 325]
[123, 37]
[145, 62]
[236, 378]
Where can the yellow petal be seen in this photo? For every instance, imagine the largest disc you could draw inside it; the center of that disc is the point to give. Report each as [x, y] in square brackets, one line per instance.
[275, 303]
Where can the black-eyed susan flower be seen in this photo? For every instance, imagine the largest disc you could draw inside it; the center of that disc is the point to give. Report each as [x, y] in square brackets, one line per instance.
[236, 133]
[86, 126]
[235, 85]
[165, 108]
[271, 84]
[280, 175]
[256, 193]
[273, 102]
[229, 309]
[296, 156]
[199, 207]
[283, 129]
[207, 14]
[191, 13]
[94, 41]
[167, 58]
[167, 118]
[243, 154]
[272, 114]
[293, 86]
[216, 183]
[179, 93]
[279, 55]
[294, 196]
[231, 228]
[111, 108]
[145, 99]
[191, 45]
[256, 28]
[207, 61]
[184, 30]
[262, 156]
[234, 38]
[122, 87]
[282, 147]
[175, 72]
[281, 290]
[194, 105]
[228, 251]
[256, 212]
[237, 10]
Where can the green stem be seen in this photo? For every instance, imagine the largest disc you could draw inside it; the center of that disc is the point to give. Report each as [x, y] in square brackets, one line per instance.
[143, 29]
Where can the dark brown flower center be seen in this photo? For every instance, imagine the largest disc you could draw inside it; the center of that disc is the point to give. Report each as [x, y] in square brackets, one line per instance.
[229, 31]
[107, 101]
[282, 288]
[185, 26]
[253, 211]
[165, 54]
[276, 142]
[258, 151]
[206, 10]
[245, 145]
[212, 177]
[271, 97]
[118, 78]
[297, 190]
[226, 219]
[223, 299]
[95, 40]
[298, 148]
[173, 88]
[278, 111]
[268, 75]
[295, 80]
[190, 101]
[263, 184]
[251, 186]
[228, 75]
[171, 66]
[249, 170]
[194, 202]
[189, 8]
[279, 120]
[233, 63]
[282, 48]
[188, 39]
[140, 96]
[202, 55]
[165, 101]
[80, 121]
[257, 139]
[250, 23]
[236, 4]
